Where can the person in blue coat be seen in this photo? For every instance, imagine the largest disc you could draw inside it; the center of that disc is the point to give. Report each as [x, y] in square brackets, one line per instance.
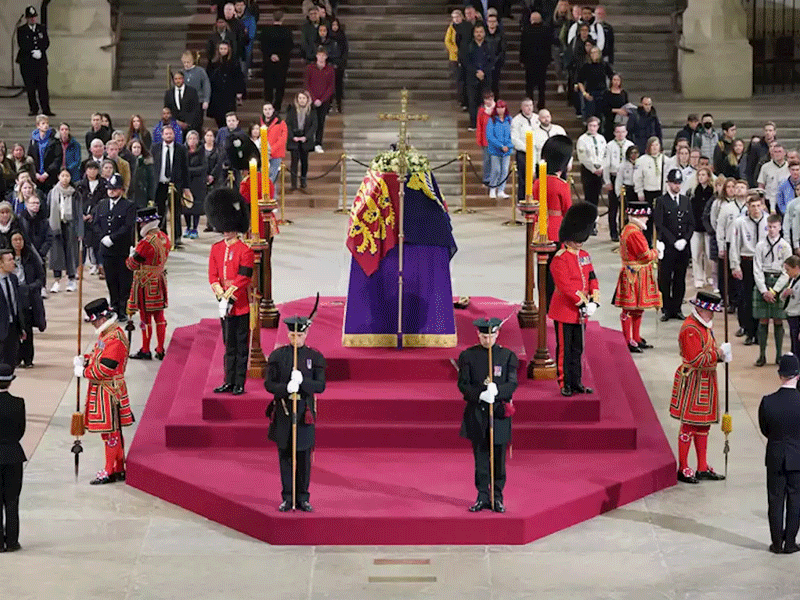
[498, 135]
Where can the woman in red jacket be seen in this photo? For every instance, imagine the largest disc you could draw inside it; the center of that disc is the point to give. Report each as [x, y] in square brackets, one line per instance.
[277, 132]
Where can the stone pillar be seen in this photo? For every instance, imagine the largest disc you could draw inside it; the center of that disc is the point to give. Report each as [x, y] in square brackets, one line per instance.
[721, 66]
[77, 29]
[10, 16]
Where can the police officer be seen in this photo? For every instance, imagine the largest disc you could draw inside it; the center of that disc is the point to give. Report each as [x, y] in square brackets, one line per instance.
[674, 222]
[480, 390]
[305, 379]
[115, 217]
[33, 42]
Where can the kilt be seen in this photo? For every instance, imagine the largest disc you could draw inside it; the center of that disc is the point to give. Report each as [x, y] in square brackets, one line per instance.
[763, 309]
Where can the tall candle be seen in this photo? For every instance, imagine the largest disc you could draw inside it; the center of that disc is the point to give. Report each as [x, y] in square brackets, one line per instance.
[264, 164]
[543, 198]
[528, 164]
[254, 229]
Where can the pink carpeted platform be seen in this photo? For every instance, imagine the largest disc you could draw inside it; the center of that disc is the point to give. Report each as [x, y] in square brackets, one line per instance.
[390, 467]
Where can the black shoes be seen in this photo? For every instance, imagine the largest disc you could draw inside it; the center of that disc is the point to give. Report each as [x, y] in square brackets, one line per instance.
[789, 549]
[664, 318]
[567, 391]
[775, 549]
[102, 480]
[286, 506]
[140, 355]
[499, 507]
[642, 343]
[709, 475]
[224, 388]
[579, 389]
[687, 477]
[13, 548]
[739, 332]
[479, 506]
[634, 349]
[160, 355]
[750, 341]
[761, 361]
[237, 390]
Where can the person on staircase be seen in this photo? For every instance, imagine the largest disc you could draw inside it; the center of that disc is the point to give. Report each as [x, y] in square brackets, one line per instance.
[320, 81]
[301, 123]
[591, 148]
[534, 55]
[497, 40]
[338, 35]
[521, 124]
[479, 65]
[276, 48]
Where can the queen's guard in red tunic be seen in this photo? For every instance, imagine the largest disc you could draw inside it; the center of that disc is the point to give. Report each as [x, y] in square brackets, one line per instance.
[637, 288]
[230, 270]
[107, 405]
[695, 399]
[149, 290]
[576, 296]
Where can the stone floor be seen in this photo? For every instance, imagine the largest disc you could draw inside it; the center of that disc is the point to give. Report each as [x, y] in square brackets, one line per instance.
[82, 542]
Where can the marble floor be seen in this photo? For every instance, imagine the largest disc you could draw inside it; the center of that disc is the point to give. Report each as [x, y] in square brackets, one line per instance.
[82, 542]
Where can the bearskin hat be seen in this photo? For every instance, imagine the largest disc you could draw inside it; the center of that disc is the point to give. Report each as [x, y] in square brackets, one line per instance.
[578, 223]
[226, 211]
[240, 149]
[557, 152]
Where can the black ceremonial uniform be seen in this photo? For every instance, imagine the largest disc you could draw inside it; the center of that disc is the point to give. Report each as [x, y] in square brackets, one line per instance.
[473, 372]
[311, 364]
[34, 70]
[674, 220]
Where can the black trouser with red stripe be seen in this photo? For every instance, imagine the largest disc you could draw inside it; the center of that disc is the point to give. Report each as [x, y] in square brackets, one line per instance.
[569, 347]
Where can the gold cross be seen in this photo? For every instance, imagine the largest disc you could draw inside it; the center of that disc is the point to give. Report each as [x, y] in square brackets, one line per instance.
[404, 117]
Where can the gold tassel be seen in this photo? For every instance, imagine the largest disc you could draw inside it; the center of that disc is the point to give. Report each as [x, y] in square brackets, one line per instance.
[78, 425]
[727, 424]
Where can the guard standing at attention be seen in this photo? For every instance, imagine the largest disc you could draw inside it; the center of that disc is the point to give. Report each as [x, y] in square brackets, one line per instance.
[576, 297]
[481, 389]
[779, 421]
[149, 291]
[33, 42]
[108, 408]
[284, 378]
[230, 270]
[674, 222]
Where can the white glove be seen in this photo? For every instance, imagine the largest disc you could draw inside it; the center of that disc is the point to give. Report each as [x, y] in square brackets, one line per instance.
[297, 376]
[727, 352]
[491, 387]
[132, 251]
[78, 361]
[590, 309]
[292, 387]
[223, 308]
[487, 396]
[680, 245]
[660, 247]
[106, 241]
[37, 54]
[78, 370]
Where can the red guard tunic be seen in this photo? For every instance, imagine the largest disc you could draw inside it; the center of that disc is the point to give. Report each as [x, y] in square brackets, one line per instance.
[149, 290]
[694, 390]
[244, 191]
[575, 282]
[107, 404]
[559, 199]
[637, 288]
[230, 269]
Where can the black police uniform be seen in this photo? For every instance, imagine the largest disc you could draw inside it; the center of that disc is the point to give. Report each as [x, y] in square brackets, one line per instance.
[34, 70]
[311, 364]
[779, 421]
[673, 221]
[117, 223]
[12, 428]
[473, 371]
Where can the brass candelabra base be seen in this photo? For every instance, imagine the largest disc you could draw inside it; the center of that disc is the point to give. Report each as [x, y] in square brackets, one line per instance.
[542, 366]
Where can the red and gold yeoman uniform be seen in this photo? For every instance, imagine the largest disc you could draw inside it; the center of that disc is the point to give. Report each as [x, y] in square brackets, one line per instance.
[107, 404]
[637, 287]
[694, 391]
